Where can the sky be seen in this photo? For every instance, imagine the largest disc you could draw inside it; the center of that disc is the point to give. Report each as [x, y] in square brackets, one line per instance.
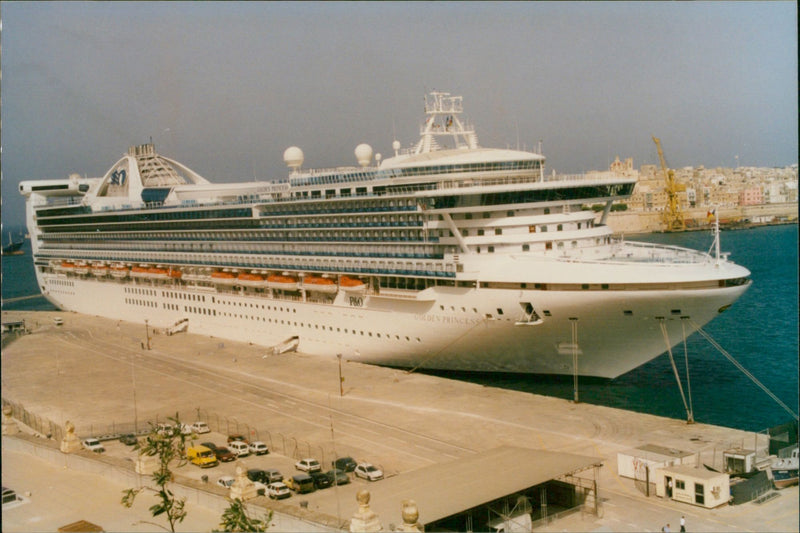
[226, 87]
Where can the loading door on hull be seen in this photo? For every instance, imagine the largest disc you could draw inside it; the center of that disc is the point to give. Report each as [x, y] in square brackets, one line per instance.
[530, 317]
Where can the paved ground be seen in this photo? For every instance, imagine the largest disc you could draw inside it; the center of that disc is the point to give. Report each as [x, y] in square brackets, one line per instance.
[95, 372]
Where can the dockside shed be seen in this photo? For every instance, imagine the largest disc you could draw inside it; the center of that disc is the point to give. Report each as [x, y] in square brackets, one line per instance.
[695, 486]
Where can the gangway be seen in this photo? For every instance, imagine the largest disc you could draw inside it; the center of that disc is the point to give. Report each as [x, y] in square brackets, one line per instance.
[178, 327]
[289, 345]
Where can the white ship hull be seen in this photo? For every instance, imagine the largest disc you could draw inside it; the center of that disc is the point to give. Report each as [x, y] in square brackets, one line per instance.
[408, 332]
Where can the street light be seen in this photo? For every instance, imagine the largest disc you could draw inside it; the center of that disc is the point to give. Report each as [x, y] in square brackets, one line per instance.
[341, 379]
[133, 378]
[147, 333]
[574, 324]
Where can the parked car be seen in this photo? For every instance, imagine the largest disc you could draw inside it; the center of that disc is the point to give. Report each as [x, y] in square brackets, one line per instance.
[93, 444]
[165, 429]
[259, 448]
[237, 437]
[273, 475]
[200, 427]
[129, 439]
[321, 479]
[300, 483]
[278, 490]
[186, 429]
[209, 445]
[338, 477]
[226, 481]
[308, 465]
[347, 464]
[201, 456]
[224, 454]
[256, 474]
[241, 449]
[368, 472]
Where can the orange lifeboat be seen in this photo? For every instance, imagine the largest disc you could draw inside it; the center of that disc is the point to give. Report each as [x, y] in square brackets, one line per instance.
[139, 272]
[157, 273]
[67, 265]
[223, 278]
[174, 273]
[318, 284]
[352, 284]
[119, 271]
[81, 268]
[99, 270]
[284, 283]
[250, 279]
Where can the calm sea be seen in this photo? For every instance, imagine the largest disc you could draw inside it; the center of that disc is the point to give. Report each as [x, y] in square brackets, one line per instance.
[760, 331]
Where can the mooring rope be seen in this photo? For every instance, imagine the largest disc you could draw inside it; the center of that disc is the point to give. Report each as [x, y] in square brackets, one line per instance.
[431, 356]
[690, 417]
[688, 381]
[738, 365]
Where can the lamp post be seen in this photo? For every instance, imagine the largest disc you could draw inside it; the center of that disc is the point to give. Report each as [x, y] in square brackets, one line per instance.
[341, 379]
[574, 323]
[147, 333]
[133, 379]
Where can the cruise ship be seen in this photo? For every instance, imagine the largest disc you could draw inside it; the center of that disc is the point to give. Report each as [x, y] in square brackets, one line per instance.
[445, 255]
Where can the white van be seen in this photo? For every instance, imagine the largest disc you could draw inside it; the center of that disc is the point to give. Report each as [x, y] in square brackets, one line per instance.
[241, 449]
[58, 321]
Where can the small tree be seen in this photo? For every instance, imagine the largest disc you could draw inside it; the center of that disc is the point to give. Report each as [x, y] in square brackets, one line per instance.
[168, 445]
[235, 518]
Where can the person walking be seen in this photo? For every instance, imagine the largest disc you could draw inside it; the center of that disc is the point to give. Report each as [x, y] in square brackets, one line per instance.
[683, 524]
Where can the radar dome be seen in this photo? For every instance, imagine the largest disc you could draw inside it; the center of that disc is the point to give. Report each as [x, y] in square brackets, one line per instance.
[363, 154]
[293, 157]
[396, 145]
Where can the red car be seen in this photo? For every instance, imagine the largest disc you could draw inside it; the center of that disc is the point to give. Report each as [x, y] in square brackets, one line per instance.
[232, 438]
[224, 455]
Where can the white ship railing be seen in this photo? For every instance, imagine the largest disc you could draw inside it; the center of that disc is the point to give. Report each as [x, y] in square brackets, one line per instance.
[637, 252]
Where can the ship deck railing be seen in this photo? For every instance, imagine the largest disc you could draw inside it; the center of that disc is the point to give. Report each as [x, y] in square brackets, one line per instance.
[639, 252]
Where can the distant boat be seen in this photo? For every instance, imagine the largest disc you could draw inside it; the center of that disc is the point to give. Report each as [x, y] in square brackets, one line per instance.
[14, 248]
[785, 469]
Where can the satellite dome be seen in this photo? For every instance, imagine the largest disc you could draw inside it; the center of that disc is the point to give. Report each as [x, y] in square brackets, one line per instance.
[396, 145]
[293, 157]
[363, 154]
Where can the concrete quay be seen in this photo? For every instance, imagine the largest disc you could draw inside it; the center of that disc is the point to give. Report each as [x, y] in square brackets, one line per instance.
[97, 372]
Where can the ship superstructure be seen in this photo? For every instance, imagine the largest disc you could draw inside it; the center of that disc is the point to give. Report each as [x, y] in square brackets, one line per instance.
[446, 255]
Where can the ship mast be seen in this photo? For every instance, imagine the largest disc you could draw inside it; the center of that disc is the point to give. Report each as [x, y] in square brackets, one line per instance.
[442, 120]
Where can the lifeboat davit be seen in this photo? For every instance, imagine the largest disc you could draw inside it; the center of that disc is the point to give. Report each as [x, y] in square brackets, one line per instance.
[223, 278]
[352, 284]
[284, 283]
[251, 280]
[318, 284]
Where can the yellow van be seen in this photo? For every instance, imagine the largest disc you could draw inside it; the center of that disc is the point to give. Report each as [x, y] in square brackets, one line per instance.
[201, 456]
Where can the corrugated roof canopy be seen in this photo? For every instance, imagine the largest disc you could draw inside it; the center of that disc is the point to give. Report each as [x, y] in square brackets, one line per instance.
[446, 489]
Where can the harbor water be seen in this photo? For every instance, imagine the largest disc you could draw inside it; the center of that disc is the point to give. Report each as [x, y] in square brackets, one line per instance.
[760, 331]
